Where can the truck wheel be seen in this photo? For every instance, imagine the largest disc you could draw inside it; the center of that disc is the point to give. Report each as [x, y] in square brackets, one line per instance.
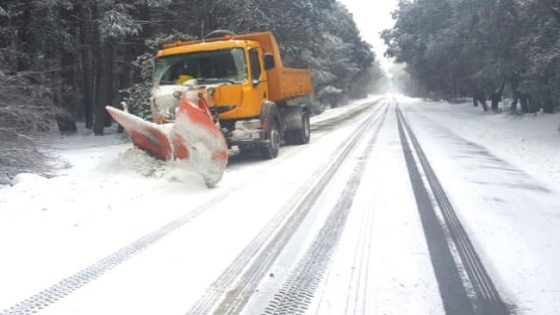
[300, 136]
[270, 150]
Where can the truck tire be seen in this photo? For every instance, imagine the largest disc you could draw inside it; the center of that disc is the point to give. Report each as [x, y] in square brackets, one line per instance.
[270, 150]
[302, 135]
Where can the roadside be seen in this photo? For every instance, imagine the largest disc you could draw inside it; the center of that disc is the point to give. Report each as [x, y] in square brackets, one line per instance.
[530, 142]
[499, 174]
[25, 117]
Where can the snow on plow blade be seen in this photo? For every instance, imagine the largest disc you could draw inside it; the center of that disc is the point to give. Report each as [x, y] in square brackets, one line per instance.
[193, 135]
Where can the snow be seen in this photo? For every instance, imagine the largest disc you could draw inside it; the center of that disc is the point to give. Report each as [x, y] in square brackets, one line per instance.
[531, 142]
[165, 103]
[383, 258]
[331, 113]
[500, 171]
[111, 195]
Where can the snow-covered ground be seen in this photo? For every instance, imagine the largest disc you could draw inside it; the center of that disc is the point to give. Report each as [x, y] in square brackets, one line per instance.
[119, 232]
[531, 142]
[502, 174]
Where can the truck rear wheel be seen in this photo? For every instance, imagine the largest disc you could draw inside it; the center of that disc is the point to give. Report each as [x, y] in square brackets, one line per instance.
[302, 135]
[270, 150]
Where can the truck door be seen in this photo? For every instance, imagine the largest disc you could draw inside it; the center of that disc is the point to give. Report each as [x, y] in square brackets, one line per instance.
[258, 77]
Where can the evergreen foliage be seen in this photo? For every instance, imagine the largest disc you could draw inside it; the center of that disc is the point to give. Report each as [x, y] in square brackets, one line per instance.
[88, 54]
[481, 48]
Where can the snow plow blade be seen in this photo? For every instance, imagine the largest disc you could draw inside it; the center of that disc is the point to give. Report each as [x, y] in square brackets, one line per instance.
[196, 133]
[145, 135]
[193, 136]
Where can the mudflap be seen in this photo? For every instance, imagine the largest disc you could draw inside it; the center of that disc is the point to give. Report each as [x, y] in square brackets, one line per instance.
[147, 136]
[196, 132]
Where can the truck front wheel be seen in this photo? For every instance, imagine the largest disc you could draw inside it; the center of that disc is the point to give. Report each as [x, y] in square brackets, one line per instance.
[270, 150]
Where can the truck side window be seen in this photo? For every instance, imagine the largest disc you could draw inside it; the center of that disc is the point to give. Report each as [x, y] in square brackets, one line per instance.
[255, 65]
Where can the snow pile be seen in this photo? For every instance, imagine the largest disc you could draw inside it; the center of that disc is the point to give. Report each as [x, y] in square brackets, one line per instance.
[134, 161]
[140, 162]
[28, 178]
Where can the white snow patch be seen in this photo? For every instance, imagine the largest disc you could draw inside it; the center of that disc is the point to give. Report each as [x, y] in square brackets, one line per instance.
[28, 179]
[498, 171]
[531, 142]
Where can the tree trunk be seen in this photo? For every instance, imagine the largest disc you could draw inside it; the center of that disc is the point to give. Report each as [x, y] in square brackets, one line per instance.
[12, 60]
[524, 103]
[23, 41]
[479, 97]
[86, 60]
[495, 101]
[497, 96]
[104, 86]
[108, 66]
[514, 83]
[548, 103]
[63, 79]
[514, 102]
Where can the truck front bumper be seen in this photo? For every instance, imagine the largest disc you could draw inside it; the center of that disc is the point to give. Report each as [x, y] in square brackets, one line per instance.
[246, 131]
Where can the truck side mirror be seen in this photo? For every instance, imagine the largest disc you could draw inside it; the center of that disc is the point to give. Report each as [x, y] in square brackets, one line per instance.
[269, 61]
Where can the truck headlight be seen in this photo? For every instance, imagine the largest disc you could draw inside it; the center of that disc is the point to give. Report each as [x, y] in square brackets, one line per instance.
[178, 94]
[253, 124]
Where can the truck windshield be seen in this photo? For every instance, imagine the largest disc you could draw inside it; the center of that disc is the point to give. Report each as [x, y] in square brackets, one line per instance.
[207, 67]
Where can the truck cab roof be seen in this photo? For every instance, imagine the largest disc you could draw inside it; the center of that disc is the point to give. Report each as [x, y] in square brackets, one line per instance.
[178, 48]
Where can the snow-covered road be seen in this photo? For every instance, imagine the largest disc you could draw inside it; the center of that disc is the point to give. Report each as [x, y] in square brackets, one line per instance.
[393, 208]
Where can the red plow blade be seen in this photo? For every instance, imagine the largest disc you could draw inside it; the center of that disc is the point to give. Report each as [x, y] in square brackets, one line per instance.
[145, 135]
[193, 136]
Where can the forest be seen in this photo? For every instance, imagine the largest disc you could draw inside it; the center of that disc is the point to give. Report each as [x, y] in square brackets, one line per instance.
[67, 59]
[481, 49]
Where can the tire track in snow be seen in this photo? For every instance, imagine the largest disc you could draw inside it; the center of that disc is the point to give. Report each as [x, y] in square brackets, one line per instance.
[231, 291]
[80, 279]
[360, 271]
[357, 293]
[452, 288]
[299, 289]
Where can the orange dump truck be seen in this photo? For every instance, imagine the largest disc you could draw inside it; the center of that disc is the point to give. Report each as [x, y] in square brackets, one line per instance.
[257, 101]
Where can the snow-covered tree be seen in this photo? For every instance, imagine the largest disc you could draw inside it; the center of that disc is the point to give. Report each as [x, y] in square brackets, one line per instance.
[86, 52]
[481, 48]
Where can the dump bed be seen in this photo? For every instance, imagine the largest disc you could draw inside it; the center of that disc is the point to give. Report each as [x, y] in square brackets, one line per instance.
[283, 83]
[288, 83]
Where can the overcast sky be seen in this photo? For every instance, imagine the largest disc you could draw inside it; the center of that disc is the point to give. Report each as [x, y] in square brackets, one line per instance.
[372, 17]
